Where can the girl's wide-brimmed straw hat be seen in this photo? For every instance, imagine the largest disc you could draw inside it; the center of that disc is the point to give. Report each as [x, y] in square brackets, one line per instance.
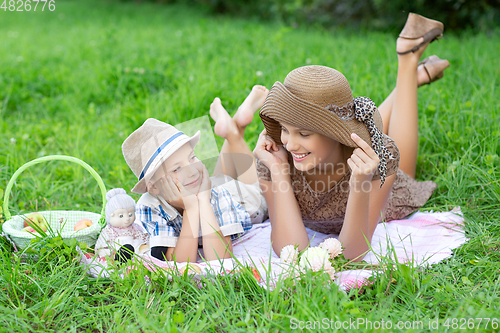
[316, 98]
[319, 99]
[149, 146]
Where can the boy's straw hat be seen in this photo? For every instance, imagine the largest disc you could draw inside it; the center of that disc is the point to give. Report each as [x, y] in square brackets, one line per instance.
[149, 146]
[319, 99]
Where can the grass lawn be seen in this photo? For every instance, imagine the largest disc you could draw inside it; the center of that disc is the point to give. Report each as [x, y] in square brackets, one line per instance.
[78, 80]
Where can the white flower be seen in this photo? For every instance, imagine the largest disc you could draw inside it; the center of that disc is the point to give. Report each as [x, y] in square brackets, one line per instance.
[331, 273]
[289, 255]
[332, 246]
[315, 258]
[259, 73]
[292, 272]
[317, 264]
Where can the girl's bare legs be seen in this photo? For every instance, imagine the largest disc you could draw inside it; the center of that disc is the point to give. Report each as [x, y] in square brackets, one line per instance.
[402, 125]
[385, 110]
[386, 107]
[236, 159]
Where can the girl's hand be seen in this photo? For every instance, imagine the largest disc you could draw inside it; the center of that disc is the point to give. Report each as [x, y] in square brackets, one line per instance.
[175, 193]
[206, 184]
[363, 163]
[269, 152]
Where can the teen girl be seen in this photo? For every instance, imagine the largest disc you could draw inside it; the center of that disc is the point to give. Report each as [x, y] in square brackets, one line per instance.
[329, 162]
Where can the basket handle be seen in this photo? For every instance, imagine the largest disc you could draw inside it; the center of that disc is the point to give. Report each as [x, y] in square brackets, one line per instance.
[52, 158]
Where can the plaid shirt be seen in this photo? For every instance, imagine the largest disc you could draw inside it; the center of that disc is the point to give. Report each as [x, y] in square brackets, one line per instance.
[163, 222]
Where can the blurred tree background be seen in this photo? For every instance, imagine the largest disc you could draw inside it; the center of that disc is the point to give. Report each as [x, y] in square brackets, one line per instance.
[457, 15]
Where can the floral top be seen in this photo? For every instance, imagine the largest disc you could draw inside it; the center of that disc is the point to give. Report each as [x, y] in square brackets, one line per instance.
[324, 211]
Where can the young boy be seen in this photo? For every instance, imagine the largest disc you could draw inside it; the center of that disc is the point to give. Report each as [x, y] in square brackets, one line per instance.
[179, 205]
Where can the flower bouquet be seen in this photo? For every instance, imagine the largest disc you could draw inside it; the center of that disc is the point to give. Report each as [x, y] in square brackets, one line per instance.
[327, 257]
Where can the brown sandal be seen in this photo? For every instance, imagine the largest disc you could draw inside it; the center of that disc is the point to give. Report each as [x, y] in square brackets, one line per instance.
[434, 67]
[418, 26]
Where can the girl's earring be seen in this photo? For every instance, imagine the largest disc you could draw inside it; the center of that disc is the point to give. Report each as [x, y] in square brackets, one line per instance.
[284, 146]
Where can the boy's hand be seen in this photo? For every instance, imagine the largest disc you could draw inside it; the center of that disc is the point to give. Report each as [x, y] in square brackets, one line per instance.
[175, 193]
[206, 185]
[269, 152]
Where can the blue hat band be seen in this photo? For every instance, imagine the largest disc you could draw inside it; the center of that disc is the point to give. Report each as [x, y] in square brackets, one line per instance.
[157, 152]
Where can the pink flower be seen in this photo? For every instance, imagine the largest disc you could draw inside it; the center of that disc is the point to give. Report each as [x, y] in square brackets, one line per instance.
[332, 246]
[289, 255]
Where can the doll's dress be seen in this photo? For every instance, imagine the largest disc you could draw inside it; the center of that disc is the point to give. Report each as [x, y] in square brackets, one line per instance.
[111, 238]
[325, 211]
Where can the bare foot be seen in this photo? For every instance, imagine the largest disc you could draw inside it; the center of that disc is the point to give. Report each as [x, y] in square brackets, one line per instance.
[250, 105]
[224, 125]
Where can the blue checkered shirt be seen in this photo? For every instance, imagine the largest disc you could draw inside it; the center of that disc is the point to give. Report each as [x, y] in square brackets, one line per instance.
[163, 222]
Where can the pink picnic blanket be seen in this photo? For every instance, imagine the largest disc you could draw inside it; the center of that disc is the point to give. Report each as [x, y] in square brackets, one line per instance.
[421, 239]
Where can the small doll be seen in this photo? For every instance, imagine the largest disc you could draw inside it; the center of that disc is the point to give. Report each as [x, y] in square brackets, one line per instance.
[121, 237]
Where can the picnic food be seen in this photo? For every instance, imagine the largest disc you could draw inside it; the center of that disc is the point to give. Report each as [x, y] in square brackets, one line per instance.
[29, 229]
[256, 274]
[36, 219]
[82, 224]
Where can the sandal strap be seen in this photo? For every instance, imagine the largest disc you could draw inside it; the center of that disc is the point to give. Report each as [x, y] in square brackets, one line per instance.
[429, 37]
[428, 74]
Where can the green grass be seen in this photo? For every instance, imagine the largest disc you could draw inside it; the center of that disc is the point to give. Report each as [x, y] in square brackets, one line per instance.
[78, 80]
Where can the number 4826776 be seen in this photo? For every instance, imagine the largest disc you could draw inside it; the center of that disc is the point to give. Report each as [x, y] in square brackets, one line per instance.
[27, 5]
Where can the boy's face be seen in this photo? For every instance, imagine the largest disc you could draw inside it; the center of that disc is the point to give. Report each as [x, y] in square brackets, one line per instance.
[184, 166]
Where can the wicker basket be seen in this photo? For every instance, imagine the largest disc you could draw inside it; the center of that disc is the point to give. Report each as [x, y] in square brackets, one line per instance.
[60, 221]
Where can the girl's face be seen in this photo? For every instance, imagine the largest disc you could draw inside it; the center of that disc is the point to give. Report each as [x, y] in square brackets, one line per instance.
[184, 166]
[311, 150]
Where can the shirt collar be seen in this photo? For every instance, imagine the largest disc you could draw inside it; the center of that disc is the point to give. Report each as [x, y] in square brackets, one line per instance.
[168, 208]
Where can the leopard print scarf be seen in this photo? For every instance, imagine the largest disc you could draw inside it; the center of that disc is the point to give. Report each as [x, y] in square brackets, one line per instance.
[364, 110]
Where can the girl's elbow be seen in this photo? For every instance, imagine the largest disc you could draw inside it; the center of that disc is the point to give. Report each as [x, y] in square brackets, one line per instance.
[279, 243]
